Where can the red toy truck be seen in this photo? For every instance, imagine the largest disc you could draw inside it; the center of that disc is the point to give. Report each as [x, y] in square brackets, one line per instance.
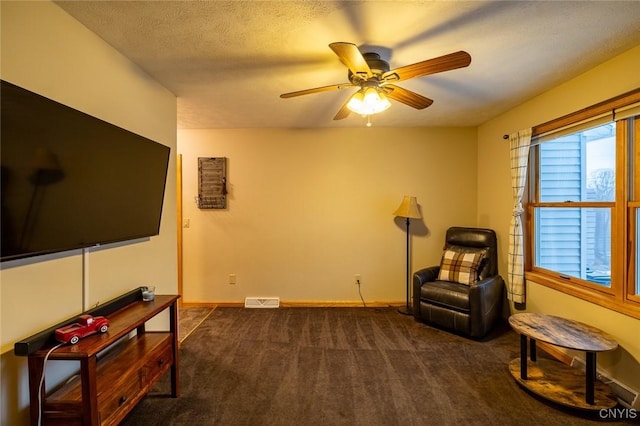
[85, 326]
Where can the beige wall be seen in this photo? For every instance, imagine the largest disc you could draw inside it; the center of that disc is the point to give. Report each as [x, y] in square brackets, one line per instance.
[46, 51]
[308, 209]
[494, 198]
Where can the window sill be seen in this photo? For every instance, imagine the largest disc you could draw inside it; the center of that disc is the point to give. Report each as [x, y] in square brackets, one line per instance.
[614, 303]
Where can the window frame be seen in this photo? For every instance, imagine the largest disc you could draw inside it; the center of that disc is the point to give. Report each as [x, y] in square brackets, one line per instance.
[633, 213]
[621, 296]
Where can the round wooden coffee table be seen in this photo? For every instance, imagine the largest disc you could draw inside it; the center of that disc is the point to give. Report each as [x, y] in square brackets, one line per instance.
[554, 380]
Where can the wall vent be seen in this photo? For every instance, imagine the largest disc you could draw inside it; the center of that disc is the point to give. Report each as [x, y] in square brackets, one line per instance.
[626, 396]
[262, 302]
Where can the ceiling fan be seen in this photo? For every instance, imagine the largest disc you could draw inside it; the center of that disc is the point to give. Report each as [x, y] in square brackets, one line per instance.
[376, 81]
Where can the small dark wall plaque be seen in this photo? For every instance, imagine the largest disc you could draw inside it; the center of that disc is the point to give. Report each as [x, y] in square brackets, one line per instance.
[212, 182]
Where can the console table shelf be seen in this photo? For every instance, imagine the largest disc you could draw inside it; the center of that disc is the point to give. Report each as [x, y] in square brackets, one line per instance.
[115, 371]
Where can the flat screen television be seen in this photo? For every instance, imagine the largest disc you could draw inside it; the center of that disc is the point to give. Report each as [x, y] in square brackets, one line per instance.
[70, 180]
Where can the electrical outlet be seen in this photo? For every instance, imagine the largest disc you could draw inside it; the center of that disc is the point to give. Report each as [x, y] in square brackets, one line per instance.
[357, 280]
[232, 279]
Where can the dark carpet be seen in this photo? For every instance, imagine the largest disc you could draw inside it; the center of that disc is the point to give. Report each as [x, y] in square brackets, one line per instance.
[344, 366]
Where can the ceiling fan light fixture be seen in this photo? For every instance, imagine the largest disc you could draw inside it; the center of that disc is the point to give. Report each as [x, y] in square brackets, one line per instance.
[368, 101]
[376, 81]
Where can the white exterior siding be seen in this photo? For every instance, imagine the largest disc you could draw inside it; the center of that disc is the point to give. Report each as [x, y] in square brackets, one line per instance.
[559, 230]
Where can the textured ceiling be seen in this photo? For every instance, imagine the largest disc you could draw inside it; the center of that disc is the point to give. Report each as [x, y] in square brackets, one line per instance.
[228, 61]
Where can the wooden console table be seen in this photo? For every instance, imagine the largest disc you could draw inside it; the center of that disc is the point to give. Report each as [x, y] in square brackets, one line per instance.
[552, 379]
[115, 371]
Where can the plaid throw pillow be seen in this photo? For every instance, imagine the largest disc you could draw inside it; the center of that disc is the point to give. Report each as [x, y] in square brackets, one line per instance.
[460, 267]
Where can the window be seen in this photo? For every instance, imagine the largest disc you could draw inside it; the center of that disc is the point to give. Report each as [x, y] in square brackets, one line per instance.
[583, 204]
[578, 172]
[637, 261]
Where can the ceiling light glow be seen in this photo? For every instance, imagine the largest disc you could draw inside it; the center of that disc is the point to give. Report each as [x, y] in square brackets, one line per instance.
[367, 101]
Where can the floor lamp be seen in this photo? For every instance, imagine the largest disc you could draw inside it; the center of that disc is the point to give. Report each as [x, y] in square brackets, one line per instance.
[409, 210]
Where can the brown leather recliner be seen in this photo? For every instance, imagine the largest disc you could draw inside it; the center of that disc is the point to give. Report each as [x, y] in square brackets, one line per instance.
[471, 309]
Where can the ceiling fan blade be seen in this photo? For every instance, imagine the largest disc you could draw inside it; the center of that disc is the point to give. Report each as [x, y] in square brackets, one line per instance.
[352, 58]
[407, 97]
[316, 90]
[448, 62]
[343, 112]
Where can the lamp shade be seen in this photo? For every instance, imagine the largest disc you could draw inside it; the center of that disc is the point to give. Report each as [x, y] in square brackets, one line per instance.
[45, 159]
[408, 208]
